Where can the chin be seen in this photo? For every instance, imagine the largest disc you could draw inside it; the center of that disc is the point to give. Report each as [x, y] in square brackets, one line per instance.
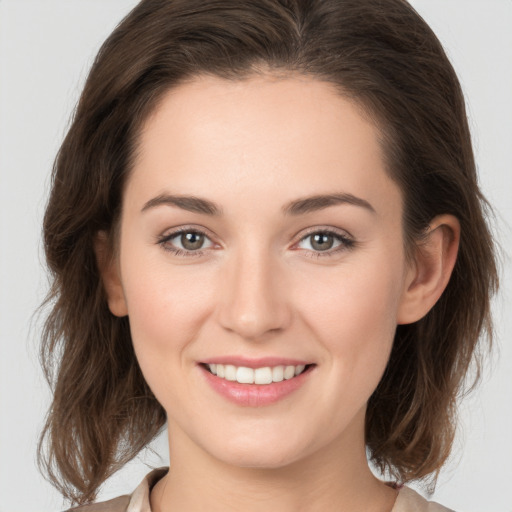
[267, 452]
[258, 459]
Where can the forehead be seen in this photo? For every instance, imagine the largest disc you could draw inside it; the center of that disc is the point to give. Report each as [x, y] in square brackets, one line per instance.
[288, 107]
[296, 135]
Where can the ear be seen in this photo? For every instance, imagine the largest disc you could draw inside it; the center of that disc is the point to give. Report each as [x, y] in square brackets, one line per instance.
[110, 275]
[428, 276]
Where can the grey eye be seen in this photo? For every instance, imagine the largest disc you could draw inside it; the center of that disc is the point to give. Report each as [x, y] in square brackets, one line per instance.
[327, 242]
[322, 241]
[191, 241]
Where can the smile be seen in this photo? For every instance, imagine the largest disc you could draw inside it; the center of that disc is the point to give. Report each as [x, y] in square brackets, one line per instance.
[256, 383]
[261, 376]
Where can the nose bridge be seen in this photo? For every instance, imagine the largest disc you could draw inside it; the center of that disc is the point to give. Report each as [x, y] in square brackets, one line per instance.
[253, 301]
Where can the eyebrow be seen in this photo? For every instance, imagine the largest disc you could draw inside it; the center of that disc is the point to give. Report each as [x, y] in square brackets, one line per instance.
[189, 203]
[319, 202]
[297, 207]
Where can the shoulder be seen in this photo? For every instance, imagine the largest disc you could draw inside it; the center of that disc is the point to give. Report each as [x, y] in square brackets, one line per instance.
[138, 501]
[119, 504]
[409, 500]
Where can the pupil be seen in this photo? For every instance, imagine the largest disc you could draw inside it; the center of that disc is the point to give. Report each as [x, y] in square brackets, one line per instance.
[322, 241]
[192, 241]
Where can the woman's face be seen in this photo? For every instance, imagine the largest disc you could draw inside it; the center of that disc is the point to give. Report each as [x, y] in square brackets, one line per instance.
[260, 231]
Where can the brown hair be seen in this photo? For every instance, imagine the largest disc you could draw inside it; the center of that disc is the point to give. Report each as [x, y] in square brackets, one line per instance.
[379, 53]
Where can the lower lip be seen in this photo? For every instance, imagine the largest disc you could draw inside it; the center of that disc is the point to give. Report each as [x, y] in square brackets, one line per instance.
[255, 395]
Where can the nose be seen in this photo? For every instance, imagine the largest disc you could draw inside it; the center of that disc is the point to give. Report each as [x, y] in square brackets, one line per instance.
[253, 299]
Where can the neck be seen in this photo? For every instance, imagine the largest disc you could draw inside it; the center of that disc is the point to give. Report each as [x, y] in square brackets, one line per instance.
[335, 478]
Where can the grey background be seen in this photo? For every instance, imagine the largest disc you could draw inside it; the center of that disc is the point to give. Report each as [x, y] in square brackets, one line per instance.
[46, 48]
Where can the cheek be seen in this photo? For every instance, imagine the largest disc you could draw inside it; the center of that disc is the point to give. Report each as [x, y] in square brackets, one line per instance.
[166, 307]
[354, 315]
[166, 311]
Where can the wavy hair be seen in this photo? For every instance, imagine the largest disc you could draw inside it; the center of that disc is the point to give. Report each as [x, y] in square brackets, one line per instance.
[381, 55]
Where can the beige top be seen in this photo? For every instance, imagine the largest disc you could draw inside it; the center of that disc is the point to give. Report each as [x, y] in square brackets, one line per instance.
[407, 500]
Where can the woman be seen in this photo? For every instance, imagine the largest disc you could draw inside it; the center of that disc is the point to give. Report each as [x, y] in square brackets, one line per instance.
[265, 229]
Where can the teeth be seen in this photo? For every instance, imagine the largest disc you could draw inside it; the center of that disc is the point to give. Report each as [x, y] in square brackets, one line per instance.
[265, 375]
[299, 369]
[230, 372]
[245, 375]
[289, 372]
[278, 373]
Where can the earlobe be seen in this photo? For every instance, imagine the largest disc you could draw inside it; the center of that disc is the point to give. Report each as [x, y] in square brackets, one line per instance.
[427, 279]
[110, 275]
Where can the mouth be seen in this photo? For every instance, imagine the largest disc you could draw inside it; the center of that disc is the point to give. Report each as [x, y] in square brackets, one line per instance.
[256, 382]
[261, 376]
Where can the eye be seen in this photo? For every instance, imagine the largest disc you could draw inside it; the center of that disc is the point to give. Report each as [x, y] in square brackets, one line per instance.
[325, 242]
[186, 242]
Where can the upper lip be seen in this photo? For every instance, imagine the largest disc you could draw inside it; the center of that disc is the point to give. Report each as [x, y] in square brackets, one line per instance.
[259, 362]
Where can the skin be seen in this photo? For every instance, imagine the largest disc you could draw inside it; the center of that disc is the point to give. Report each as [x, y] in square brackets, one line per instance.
[260, 288]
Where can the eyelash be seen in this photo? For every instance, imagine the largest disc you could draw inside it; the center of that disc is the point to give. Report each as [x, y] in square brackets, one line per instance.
[164, 240]
[346, 243]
